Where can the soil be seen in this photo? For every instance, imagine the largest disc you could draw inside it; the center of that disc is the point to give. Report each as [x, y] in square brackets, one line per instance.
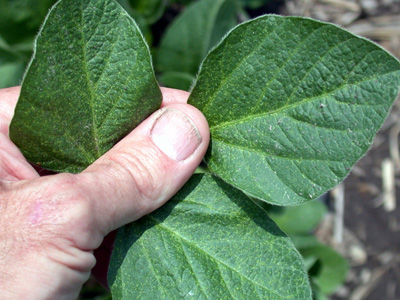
[376, 229]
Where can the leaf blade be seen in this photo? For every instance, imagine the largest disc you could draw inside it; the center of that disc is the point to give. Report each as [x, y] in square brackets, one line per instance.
[299, 220]
[193, 34]
[292, 104]
[89, 83]
[333, 267]
[200, 244]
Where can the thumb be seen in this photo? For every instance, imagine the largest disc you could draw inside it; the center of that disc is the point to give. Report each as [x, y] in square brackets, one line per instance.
[147, 167]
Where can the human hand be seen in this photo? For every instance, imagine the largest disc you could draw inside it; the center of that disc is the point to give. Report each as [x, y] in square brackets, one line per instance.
[51, 225]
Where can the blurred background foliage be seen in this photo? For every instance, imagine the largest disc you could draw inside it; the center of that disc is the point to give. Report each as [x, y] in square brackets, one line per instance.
[180, 33]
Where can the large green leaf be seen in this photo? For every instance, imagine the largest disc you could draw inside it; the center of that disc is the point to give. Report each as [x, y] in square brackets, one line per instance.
[89, 83]
[189, 38]
[292, 104]
[208, 242]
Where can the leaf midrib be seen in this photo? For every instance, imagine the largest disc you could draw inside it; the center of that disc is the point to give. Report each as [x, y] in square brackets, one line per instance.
[193, 271]
[146, 253]
[304, 101]
[248, 149]
[61, 159]
[89, 86]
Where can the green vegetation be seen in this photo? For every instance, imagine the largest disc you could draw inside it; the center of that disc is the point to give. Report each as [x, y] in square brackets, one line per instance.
[292, 104]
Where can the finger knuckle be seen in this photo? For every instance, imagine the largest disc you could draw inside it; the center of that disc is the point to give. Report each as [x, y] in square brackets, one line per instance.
[140, 169]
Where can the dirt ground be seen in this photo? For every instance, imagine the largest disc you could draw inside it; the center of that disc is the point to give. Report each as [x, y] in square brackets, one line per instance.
[368, 231]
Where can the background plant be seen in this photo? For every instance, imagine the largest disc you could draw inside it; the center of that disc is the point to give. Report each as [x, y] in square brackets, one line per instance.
[181, 75]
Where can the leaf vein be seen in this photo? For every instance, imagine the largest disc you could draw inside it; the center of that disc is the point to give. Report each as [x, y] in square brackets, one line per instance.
[262, 153]
[88, 82]
[191, 267]
[194, 245]
[222, 83]
[319, 60]
[292, 53]
[145, 250]
[301, 102]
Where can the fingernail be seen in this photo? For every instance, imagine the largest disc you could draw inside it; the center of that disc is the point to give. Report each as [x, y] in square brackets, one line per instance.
[175, 134]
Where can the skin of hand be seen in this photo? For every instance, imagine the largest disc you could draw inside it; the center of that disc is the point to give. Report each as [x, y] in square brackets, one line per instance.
[52, 228]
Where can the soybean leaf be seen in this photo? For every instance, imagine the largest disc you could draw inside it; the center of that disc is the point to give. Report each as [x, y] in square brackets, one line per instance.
[192, 34]
[178, 80]
[11, 73]
[327, 268]
[150, 10]
[207, 242]
[332, 268]
[292, 104]
[317, 295]
[19, 23]
[301, 219]
[309, 262]
[89, 83]
[13, 61]
[140, 20]
[304, 241]
[12, 66]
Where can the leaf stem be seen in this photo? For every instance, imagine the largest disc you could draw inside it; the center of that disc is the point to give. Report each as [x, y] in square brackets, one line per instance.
[202, 169]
